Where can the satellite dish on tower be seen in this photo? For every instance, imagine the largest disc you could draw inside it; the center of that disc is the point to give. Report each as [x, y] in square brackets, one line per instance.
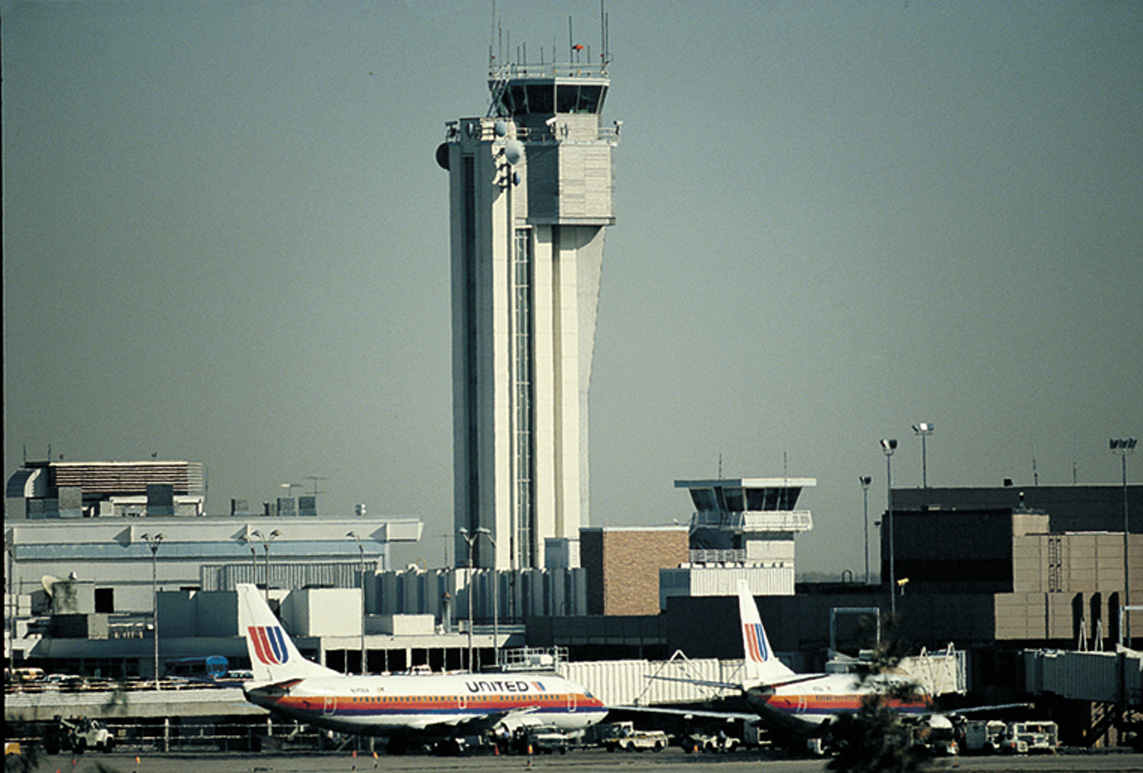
[513, 152]
[442, 156]
[501, 128]
[49, 581]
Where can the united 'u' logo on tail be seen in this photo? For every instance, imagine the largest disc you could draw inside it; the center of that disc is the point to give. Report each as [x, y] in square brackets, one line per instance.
[755, 639]
[269, 644]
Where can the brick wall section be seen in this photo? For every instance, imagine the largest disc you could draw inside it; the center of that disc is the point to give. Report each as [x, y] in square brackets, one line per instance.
[623, 567]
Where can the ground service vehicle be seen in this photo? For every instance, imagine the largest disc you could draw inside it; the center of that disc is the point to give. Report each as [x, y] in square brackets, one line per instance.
[540, 741]
[77, 735]
[936, 736]
[625, 737]
[983, 736]
[1032, 738]
[713, 744]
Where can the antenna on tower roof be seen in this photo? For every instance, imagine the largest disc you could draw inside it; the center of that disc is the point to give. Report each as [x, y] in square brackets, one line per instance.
[604, 55]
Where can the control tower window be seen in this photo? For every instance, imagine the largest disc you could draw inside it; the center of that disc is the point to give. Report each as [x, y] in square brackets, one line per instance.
[574, 98]
[540, 99]
[703, 499]
[520, 99]
[734, 501]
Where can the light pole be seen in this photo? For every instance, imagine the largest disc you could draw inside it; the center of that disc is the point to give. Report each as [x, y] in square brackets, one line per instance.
[471, 538]
[495, 594]
[13, 608]
[1124, 447]
[888, 446]
[153, 543]
[356, 538]
[924, 429]
[865, 480]
[266, 540]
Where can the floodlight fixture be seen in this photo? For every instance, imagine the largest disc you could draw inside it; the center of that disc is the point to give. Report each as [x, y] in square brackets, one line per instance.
[265, 539]
[924, 429]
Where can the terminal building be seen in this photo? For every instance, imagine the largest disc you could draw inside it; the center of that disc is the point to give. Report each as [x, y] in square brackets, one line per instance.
[101, 544]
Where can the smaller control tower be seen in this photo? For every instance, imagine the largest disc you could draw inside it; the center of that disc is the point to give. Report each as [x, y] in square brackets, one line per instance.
[531, 192]
[742, 528]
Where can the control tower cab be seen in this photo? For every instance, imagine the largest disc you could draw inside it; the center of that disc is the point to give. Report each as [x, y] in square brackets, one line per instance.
[741, 528]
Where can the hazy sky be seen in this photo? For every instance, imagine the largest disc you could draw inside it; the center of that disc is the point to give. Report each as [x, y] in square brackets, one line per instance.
[226, 240]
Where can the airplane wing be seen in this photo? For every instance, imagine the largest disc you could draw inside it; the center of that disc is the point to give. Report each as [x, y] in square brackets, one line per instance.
[795, 679]
[978, 709]
[477, 724]
[727, 716]
[701, 682]
[281, 684]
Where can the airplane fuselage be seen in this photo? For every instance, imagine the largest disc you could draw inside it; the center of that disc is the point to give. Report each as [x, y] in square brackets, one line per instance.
[806, 705]
[386, 705]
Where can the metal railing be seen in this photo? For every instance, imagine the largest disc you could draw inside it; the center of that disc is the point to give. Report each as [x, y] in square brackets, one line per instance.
[718, 556]
[754, 520]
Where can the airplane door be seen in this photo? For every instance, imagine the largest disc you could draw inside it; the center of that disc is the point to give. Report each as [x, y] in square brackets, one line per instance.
[801, 704]
[329, 705]
[573, 702]
[462, 701]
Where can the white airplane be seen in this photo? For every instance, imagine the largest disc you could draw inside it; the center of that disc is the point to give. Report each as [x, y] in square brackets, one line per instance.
[805, 704]
[786, 701]
[405, 709]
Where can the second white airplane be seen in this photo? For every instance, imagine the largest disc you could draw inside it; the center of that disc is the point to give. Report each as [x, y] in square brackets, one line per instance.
[786, 701]
[405, 709]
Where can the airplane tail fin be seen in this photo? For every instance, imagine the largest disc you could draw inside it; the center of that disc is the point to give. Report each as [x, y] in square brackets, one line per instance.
[761, 664]
[273, 656]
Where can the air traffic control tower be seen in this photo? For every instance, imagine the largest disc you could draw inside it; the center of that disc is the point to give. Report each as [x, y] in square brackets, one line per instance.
[531, 191]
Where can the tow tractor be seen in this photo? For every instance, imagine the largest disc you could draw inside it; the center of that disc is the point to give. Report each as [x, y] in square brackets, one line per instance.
[77, 735]
[624, 737]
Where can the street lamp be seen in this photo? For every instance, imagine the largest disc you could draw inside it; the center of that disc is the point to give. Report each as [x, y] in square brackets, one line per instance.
[471, 538]
[1124, 447]
[495, 595]
[865, 480]
[13, 608]
[153, 543]
[924, 429]
[266, 540]
[356, 538]
[888, 446]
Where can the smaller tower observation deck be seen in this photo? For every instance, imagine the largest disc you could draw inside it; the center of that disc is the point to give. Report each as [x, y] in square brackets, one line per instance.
[741, 528]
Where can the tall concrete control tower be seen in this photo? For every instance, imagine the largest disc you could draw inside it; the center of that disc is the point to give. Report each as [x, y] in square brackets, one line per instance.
[531, 190]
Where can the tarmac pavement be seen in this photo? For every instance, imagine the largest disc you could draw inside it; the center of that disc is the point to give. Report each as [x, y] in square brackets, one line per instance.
[672, 760]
